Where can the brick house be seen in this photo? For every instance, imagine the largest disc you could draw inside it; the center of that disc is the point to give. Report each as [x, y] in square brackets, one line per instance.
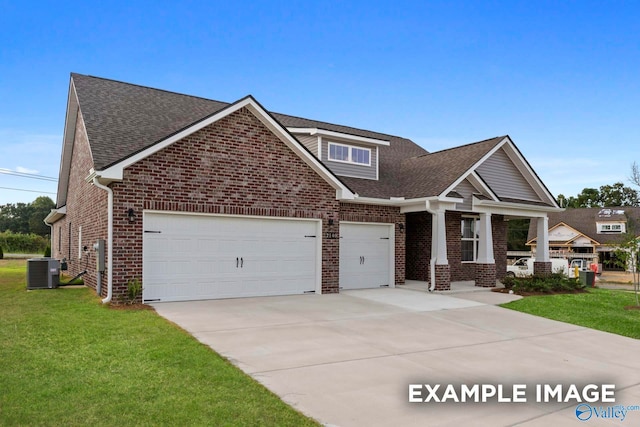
[201, 199]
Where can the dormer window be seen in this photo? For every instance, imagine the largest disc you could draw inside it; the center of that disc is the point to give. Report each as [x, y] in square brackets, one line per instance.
[349, 154]
[610, 227]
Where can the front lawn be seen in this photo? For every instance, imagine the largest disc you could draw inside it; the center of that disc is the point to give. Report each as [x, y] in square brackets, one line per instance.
[67, 360]
[600, 309]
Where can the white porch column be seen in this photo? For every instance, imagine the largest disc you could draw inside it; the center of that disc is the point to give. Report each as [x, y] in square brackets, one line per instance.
[485, 244]
[542, 249]
[439, 238]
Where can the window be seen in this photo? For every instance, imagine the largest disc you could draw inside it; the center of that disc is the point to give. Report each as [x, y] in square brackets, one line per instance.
[349, 154]
[470, 239]
[610, 227]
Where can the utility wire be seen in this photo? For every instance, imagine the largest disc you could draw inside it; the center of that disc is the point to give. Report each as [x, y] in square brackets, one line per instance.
[22, 189]
[27, 175]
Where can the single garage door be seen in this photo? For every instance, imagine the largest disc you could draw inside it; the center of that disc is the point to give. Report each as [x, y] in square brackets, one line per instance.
[193, 257]
[365, 255]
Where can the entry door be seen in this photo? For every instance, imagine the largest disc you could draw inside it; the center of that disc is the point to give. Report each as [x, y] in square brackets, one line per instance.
[365, 255]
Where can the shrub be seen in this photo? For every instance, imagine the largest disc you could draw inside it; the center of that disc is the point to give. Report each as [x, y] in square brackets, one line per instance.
[555, 282]
[134, 289]
[1, 253]
[23, 243]
[47, 252]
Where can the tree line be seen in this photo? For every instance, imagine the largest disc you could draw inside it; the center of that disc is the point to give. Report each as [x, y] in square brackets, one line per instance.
[26, 218]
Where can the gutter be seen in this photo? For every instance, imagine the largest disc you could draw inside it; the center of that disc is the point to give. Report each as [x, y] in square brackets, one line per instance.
[109, 191]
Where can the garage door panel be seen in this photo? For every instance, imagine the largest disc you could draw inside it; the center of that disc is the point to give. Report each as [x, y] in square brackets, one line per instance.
[365, 255]
[194, 257]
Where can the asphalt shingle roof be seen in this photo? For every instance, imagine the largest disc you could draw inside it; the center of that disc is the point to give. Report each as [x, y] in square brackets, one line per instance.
[122, 119]
[584, 220]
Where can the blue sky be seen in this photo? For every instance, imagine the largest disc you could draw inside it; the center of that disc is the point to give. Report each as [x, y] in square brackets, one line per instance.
[561, 78]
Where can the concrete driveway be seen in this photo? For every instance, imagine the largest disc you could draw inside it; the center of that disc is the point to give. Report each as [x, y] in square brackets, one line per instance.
[348, 359]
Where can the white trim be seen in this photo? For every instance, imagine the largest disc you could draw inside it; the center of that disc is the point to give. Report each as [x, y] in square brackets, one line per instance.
[479, 184]
[474, 166]
[350, 153]
[55, 215]
[377, 163]
[474, 239]
[392, 248]
[508, 208]
[318, 284]
[80, 251]
[539, 187]
[330, 133]
[527, 172]
[116, 172]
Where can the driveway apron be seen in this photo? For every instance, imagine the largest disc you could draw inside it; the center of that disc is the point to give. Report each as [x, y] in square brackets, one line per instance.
[347, 359]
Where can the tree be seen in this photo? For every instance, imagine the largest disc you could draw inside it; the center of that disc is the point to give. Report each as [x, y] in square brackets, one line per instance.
[607, 196]
[40, 209]
[618, 195]
[517, 233]
[26, 218]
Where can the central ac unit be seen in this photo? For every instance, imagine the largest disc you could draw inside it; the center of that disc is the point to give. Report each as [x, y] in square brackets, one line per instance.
[43, 273]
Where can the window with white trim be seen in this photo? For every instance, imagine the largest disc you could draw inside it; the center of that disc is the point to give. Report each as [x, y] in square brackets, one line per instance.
[611, 227]
[349, 154]
[470, 239]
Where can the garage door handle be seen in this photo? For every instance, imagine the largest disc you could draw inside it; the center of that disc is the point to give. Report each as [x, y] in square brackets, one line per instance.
[237, 261]
[241, 262]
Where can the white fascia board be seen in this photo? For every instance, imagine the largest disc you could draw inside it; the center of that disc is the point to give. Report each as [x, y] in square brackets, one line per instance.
[525, 169]
[481, 186]
[67, 144]
[55, 215]
[340, 135]
[116, 171]
[474, 166]
[514, 209]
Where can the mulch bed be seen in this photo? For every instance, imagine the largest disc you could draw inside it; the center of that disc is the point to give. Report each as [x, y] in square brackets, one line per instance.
[529, 294]
[130, 307]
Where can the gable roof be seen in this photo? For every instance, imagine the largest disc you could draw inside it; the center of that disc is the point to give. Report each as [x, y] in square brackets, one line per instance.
[584, 220]
[123, 120]
[425, 175]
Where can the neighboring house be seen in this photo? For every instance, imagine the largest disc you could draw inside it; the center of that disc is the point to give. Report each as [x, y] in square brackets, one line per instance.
[593, 233]
[203, 199]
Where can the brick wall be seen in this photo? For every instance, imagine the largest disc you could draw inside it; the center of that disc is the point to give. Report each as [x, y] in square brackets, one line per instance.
[499, 231]
[86, 208]
[383, 214]
[234, 166]
[418, 246]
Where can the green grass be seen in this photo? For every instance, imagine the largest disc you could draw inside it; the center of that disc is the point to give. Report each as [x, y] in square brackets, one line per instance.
[67, 360]
[600, 309]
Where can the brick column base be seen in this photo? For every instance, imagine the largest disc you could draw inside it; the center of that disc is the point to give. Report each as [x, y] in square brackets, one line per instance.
[443, 277]
[486, 275]
[542, 268]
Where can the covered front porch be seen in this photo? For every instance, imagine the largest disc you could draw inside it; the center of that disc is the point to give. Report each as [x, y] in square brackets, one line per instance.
[451, 250]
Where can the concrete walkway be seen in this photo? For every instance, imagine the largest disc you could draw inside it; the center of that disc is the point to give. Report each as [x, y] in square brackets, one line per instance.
[348, 359]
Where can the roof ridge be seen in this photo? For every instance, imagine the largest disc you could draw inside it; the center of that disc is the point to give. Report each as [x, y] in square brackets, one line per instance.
[337, 124]
[151, 88]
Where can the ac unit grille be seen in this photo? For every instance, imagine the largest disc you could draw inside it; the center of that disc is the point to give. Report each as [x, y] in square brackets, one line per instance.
[43, 273]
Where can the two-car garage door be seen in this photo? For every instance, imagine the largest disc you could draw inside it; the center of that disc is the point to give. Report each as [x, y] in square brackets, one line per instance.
[192, 257]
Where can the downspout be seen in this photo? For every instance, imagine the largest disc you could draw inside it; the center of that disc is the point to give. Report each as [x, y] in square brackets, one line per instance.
[109, 191]
[50, 235]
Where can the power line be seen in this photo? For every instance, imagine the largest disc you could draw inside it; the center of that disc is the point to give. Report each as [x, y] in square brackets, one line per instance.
[27, 175]
[31, 191]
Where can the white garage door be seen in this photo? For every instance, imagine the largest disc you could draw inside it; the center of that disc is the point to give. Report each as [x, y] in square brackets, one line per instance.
[192, 257]
[365, 255]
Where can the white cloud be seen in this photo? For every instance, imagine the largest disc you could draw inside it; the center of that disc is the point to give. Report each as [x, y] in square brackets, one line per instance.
[26, 170]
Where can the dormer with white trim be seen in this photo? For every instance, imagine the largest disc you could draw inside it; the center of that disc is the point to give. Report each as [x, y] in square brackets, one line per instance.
[344, 154]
